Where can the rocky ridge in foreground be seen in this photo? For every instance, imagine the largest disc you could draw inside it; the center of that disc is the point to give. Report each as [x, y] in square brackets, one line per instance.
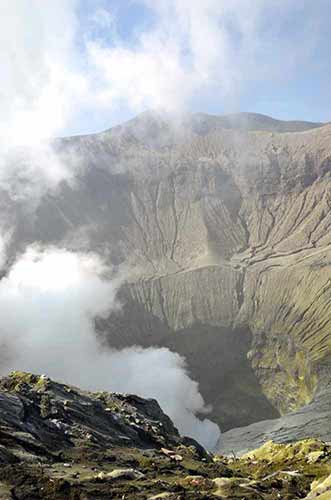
[59, 442]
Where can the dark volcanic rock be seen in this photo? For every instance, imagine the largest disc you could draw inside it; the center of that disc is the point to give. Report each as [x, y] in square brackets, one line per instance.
[43, 418]
[60, 443]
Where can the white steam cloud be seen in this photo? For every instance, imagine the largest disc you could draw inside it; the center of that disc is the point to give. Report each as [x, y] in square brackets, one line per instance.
[49, 300]
[196, 50]
[39, 84]
[28, 173]
[40, 90]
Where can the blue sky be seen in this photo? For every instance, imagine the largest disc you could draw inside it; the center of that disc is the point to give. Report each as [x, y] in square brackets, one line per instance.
[295, 34]
[81, 66]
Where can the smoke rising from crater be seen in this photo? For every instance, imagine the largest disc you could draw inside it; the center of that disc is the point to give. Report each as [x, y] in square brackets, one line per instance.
[49, 300]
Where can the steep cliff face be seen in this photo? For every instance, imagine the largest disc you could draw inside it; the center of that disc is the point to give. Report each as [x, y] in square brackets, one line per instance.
[222, 226]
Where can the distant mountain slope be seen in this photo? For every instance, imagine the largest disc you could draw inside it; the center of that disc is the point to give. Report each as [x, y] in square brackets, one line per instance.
[155, 128]
[256, 121]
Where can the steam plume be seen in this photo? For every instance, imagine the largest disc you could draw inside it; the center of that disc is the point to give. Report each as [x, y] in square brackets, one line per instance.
[49, 300]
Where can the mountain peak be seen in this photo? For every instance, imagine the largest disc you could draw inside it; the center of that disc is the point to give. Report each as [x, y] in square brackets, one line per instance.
[159, 128]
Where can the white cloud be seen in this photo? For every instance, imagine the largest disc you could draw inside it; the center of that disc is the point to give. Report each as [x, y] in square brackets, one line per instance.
[40, 89]
[197, 48]
[57, 68]
[104, 19]
[27, 173]
[148, 77]
[39, 84]
[49, 300]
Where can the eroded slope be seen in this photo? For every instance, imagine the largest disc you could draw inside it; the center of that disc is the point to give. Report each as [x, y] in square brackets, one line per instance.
[224, 236]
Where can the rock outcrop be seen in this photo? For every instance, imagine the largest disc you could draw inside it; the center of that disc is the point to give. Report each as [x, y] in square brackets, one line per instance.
[42, 418]
[223, 228]
[58, 442]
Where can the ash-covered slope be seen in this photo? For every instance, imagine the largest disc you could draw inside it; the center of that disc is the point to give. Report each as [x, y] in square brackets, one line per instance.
[313, 419]
[224, 234]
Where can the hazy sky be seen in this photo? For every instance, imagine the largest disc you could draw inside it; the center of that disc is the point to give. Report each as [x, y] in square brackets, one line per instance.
[78, 66]
[292, 38]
